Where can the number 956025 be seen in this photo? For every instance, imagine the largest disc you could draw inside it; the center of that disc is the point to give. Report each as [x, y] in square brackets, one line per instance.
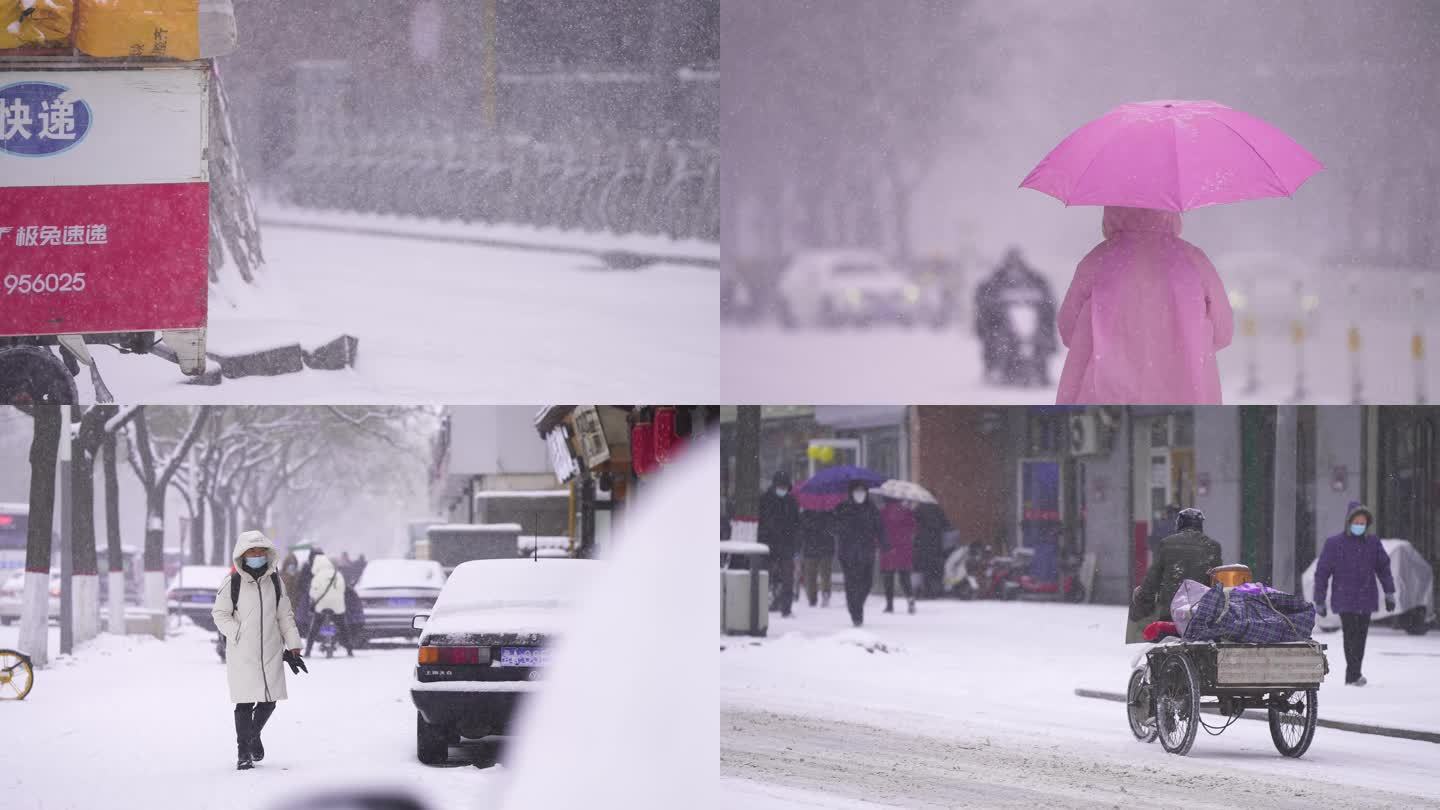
[44, 283]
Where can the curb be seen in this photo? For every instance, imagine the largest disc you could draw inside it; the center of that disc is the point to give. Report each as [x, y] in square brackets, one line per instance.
[1338, 725]
[621, 259]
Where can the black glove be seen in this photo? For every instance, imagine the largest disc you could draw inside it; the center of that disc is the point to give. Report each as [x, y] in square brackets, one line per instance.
[1320, 610]
[297, 664]
[1390, 602]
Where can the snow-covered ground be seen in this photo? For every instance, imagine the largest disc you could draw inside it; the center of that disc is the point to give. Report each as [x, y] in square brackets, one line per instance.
[973, 704]
[765, 363]
[445, 321]
[148, 724]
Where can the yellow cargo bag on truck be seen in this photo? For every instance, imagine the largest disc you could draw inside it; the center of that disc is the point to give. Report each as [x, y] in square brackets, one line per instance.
[35, 23]
[173, 29]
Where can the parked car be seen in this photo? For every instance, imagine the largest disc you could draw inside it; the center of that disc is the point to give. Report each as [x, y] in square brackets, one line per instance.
[855, 287]
[1414, 591]
[192, 592]
[12, 596]
[392, 591]
[485, 644]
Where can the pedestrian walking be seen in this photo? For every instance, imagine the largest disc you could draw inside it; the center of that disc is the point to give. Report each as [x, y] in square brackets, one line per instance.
[779, 528]
[930, 528]
[1349, 565]
[898, 561]
[327, 597]
[817, 541]
[260, 633]
[1144, 316]
[858, 533]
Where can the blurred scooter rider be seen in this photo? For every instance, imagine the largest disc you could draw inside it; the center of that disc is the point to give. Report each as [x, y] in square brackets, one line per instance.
[992, 318]
[1186, 554]
[327, 595]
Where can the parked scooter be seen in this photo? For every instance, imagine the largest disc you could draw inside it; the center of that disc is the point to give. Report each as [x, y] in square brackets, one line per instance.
[1066, 588]
[973, 572]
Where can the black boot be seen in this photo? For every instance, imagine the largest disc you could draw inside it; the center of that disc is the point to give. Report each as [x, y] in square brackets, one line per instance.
[243, 733]
[262, 715]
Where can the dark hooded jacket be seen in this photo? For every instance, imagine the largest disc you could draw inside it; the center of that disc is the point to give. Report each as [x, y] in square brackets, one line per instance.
[1349, 566]
[858, 531]
[1188, 554]
[779, 526]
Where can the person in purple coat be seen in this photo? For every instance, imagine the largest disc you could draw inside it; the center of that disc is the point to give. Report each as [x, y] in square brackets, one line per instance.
[1352, 560]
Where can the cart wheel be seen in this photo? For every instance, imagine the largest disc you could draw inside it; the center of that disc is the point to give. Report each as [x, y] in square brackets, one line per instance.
[1292, 721]
[1139, 708]
[1177, 705]
[16, 676]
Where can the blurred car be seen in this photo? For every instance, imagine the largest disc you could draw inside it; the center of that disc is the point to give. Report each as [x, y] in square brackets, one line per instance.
[393, 591]
[192, 592]
[12, 596]
[485, 644]
[848, 287]
[1414, 591]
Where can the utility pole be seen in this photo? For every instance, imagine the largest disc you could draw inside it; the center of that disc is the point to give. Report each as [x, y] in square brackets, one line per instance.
[67, 534]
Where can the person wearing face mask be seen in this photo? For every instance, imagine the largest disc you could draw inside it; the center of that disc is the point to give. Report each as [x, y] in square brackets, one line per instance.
[858, 533]
[1346, 572]
[259, 627]
[779, 528]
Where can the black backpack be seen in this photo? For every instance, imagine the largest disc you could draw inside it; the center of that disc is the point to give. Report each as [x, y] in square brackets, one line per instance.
[235, 590]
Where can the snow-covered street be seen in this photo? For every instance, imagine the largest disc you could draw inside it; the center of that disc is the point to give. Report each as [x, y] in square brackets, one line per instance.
[133, 706]
[972, 704]
[450, 321]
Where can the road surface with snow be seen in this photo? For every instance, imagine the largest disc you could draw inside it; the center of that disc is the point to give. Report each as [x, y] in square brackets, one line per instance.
[972, 705]
[442, 321]
[146, 724]
[764, 363]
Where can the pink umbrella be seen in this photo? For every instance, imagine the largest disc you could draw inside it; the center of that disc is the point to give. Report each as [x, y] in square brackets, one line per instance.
[1173, 156]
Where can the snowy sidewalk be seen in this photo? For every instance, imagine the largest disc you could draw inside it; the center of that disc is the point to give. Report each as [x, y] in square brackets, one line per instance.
[1008, 671]
[128, 707]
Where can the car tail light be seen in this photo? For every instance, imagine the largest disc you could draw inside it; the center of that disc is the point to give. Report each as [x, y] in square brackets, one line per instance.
[454, 655]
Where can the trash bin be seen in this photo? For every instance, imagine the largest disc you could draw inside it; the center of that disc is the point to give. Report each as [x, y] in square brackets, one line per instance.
[745, 594]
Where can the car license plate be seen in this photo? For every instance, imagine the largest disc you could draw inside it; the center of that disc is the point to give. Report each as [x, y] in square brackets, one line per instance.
[397, 602]
[202, 598]
[523, 657]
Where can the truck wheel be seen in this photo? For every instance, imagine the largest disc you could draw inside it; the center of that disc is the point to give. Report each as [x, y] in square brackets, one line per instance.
[31, 375]
[432, 743]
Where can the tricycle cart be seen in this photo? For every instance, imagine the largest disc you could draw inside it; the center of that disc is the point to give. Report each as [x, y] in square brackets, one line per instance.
[1172, 682]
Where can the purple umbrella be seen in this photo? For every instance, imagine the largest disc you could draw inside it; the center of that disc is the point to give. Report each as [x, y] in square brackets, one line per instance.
[837, 480]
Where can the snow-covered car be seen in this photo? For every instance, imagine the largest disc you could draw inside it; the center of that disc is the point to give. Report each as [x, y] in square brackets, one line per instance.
[12, 596]
[843, 287]
[393, 591]
[485, 645]
[1414, 591]
[192, 592]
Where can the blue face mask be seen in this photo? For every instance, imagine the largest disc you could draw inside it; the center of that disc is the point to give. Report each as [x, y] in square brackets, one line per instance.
[1357, 529]
[256, 562]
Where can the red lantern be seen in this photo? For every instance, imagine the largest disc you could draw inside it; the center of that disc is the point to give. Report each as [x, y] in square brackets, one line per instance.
[642, 447]
[666, 442]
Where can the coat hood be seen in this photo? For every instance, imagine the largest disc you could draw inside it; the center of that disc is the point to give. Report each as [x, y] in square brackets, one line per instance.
[322, 567]
[1357, 508]
[1119, 219]
[253, 539]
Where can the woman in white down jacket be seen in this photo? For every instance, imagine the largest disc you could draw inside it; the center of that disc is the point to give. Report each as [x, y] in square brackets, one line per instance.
[259, 626]
[327, 593]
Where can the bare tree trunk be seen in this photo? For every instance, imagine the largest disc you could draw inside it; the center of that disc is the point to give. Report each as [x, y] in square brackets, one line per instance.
[115, 554]
[747, 473]
[35, 609]
[85, 578]
[220, 533]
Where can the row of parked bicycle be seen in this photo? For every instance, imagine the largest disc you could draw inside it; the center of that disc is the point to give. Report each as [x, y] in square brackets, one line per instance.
[595, 183]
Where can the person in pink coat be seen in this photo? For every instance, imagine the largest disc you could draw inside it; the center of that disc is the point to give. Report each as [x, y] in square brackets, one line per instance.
[899, 521]
[1144, 317]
